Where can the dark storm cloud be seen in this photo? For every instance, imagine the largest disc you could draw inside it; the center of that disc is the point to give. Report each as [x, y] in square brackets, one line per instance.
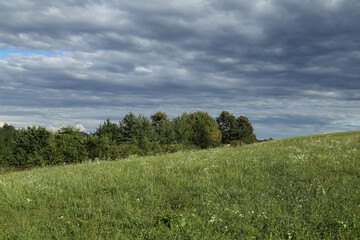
[268, 60]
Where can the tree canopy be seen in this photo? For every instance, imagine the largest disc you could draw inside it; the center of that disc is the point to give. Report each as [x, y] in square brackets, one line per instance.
[235, 129]
[133, 135]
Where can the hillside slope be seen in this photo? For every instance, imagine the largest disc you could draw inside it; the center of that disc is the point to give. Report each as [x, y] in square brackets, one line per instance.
[305, 187]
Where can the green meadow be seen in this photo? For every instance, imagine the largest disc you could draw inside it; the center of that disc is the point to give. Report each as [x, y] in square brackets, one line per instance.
[297, 188]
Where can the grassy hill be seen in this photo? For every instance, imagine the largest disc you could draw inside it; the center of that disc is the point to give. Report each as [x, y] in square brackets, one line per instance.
[296, 188]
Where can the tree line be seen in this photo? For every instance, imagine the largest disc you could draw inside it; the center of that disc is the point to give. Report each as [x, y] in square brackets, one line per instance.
[134, 135]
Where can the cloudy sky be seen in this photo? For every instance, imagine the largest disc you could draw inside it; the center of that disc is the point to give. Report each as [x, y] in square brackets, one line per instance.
[292, 67]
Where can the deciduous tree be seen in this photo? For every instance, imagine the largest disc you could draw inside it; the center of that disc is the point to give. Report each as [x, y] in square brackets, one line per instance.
[203, 129]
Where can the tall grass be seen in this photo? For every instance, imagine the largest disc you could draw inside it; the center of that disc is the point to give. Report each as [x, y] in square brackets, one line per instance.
[299, 188]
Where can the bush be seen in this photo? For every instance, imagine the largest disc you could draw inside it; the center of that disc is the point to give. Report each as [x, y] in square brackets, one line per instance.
[31, 147]
[172, 148]
[101, 147]
[69, 146]
[126, 150]
[7, 144]
[250, 139]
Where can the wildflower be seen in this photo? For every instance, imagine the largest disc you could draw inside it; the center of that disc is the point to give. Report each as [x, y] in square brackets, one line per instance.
[213, 219]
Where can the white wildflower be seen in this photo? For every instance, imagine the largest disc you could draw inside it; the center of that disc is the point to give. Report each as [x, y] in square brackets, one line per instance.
[213, 219]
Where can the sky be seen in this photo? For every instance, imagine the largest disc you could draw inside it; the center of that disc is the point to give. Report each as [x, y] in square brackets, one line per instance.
[291, 67]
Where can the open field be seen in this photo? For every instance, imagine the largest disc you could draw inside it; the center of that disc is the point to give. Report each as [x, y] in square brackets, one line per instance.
[298, 188]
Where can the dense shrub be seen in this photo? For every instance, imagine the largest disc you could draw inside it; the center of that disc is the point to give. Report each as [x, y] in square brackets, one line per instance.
[101, 147]
[70, 146]
[171, 148]
[127, 150]
[7, 144]
[251, 138]
[31, 147]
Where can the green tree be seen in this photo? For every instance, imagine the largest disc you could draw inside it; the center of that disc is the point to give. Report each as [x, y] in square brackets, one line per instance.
[69, 146]
[203, 129]
[138, 131]
[31, 147]
[181, 133]
[146, 134]
[129, 127]
[158, 117]
[7, 143]
[244, 129]
[163, 128]
[101, 147]
[227, 126]
[109, 130]
[235, 129]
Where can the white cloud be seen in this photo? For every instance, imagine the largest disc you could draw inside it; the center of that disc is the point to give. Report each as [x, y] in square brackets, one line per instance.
[329, 94]
[143, 69]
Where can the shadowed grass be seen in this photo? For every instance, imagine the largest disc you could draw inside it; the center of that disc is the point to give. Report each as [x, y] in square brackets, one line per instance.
[303, 188]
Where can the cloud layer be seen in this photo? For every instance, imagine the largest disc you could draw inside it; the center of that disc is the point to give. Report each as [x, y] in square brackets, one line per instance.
[290, 66]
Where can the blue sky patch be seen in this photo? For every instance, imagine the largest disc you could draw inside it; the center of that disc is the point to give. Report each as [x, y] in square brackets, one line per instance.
[4, 53]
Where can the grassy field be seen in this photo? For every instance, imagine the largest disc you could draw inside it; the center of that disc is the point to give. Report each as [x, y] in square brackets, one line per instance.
[298, 188]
